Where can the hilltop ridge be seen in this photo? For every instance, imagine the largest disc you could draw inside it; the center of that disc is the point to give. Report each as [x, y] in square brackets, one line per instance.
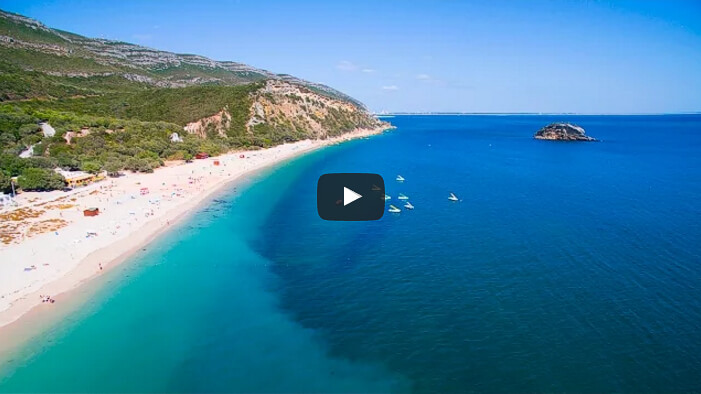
[32, 46]
[117, 106]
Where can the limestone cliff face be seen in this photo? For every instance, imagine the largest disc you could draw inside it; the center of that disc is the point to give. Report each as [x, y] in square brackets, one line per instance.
[562, 132]
[218, 123]
[289, 107]
[282, 112]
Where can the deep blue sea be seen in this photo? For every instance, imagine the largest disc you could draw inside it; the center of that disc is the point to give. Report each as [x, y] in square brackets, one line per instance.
[564, 267]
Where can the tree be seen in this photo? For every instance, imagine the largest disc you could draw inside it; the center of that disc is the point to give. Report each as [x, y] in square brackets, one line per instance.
[40, 162]
[28, 129]
[138, 165]
[211, 148]
[5, 183]
[113, 167]
[40, 148]
[91, 167]
[178, 155]
[12, 164]
[40, 179]
[67, 162]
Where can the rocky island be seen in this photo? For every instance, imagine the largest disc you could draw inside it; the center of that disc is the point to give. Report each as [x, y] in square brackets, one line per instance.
[562, 132]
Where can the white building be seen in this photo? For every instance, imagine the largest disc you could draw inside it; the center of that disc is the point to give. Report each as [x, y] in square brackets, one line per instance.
[47, 129]
[175, 138]
[29, 152]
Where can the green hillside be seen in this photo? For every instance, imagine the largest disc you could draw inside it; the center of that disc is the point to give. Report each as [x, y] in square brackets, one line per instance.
[115, 105]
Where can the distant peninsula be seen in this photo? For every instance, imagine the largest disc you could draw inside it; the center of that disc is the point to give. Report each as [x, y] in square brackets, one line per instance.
[562, 132]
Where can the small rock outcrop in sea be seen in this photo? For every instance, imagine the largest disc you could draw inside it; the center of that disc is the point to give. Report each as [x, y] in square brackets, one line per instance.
[562, 132]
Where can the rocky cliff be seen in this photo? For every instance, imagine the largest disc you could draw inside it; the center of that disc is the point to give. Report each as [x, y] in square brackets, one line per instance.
[31, 46]
[562, 132]
[281, 111]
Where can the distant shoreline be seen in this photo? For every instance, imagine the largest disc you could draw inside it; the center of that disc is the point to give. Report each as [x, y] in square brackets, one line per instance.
[123, 229]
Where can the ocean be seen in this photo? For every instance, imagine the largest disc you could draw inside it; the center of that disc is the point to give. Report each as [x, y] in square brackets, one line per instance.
[563, 267]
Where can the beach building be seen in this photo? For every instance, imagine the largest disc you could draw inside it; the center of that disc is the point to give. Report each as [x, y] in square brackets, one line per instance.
[47, 129]
[175, 138]
[29, 152]
[91, 212]
[79, 178]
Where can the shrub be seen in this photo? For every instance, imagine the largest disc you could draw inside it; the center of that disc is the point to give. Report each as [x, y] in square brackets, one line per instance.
[28, 129]
[180, 155]
[41, 162]
[40, 179]
[12, 164]
[113, 167]
[138, 165]
[5, 183]
[91, 167]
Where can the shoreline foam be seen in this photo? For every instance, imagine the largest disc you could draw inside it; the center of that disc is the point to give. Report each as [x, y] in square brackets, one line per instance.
[75, 261]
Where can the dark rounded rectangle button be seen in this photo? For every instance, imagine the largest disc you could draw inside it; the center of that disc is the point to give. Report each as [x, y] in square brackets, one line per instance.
[350, 196]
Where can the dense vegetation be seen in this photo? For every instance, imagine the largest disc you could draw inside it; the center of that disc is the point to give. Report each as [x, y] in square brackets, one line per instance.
[112, 113]
[40, 179]
[108, 143]
[18, 84]
[131, 131]
[179, 106]
[29, 45]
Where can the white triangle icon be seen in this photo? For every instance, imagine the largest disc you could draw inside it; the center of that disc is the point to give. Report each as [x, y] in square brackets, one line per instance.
[349, 196]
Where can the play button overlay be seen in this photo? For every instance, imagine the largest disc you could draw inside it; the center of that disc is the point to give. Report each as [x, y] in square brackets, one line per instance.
[350, 196]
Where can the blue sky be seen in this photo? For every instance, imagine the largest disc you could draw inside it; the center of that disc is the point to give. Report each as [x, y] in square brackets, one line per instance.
[489, 56]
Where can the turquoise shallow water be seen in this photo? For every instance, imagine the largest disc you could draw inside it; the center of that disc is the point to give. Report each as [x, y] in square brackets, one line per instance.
[564, 267]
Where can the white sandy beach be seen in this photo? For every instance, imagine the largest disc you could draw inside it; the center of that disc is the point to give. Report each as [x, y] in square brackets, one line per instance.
[53, 262]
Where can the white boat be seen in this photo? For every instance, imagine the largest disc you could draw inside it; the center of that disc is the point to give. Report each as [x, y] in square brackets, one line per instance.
[408, 205]
[453, 197]
[394, 209]
[400, 178]
[387, 197]
[402, 197]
